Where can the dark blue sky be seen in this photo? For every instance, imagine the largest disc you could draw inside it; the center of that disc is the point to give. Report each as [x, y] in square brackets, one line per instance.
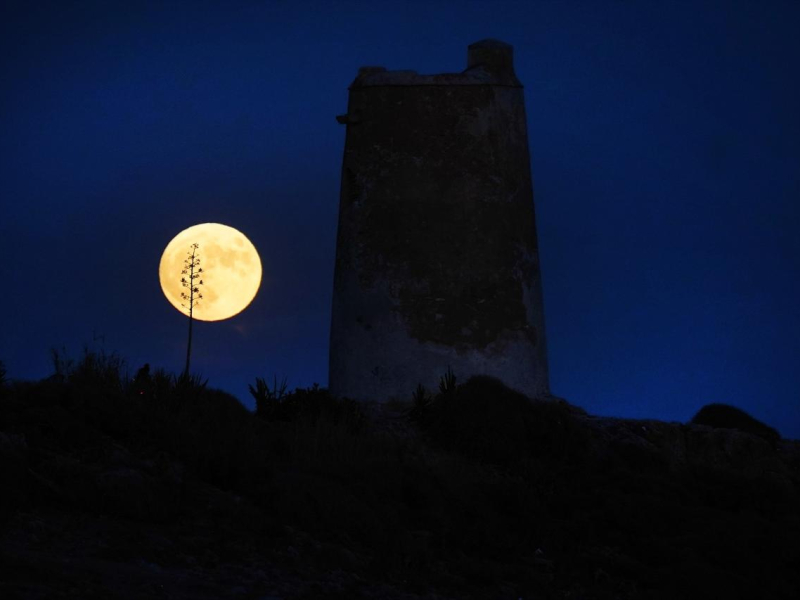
[665, 151]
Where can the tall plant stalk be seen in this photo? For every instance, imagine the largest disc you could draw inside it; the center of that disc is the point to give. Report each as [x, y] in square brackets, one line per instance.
[191, 272]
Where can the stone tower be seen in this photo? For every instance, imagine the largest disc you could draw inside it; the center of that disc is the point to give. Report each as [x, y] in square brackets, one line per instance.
[436, 256]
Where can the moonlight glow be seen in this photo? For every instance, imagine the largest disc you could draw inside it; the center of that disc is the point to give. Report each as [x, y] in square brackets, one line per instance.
[231, 270]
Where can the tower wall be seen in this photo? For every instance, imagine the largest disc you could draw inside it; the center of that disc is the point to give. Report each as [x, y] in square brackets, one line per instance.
[436, 258]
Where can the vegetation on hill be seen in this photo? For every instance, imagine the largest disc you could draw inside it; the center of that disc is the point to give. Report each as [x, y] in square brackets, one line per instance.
[730, 417]
[474, 492]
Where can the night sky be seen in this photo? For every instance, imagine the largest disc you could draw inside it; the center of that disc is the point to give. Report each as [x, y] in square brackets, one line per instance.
[665, 152]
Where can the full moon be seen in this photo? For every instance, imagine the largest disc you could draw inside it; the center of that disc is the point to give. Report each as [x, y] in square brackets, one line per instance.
[231, 271]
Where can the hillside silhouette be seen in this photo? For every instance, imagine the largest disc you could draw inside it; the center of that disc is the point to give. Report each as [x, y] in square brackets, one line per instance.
[162, 487]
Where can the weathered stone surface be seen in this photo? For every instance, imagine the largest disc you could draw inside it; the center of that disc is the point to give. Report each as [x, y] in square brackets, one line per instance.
[437, 262]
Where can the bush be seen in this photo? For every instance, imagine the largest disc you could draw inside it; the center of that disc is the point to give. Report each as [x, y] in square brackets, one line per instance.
[315, 403]
[485, 420]
[421, 403]
[730, 417]
[268, 400]
[309, 404]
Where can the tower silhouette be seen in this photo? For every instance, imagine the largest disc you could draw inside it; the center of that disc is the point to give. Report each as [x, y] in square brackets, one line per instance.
[437, 262]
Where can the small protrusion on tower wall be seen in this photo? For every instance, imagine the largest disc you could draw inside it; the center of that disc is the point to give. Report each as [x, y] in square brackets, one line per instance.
[493, 55]
[348, 119]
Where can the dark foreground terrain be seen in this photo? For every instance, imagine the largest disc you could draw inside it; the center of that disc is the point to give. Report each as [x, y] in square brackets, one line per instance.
[165, 489]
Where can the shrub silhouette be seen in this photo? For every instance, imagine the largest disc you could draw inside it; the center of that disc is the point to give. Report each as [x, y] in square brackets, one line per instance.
[482, 419]
[421, 402]
[315, 402]
[726, 416]
[485, 420]
[268, 400]
[307, 404]
[447, 382]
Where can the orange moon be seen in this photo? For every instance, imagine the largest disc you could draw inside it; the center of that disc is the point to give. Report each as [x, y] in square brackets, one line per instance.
[231, 271]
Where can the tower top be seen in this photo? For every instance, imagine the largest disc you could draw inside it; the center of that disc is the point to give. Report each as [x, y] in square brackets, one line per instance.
[493, 55]
[489, 62]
